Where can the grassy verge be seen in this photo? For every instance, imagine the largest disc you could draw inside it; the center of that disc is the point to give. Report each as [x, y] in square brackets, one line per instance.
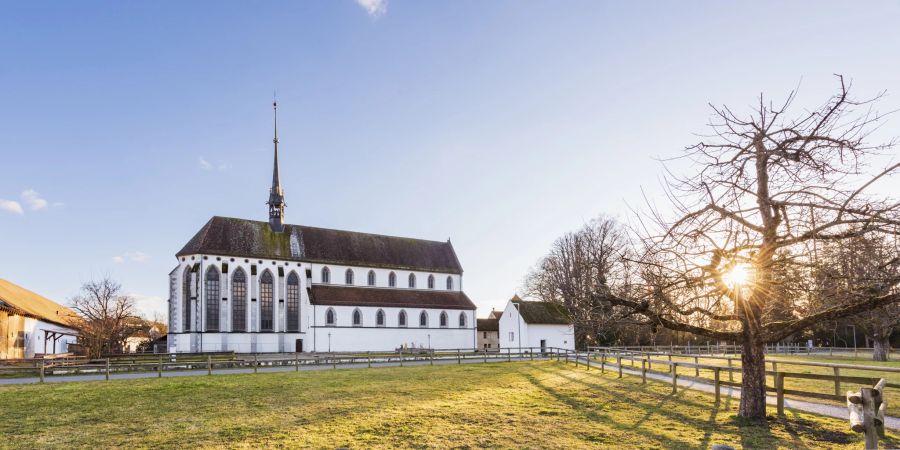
[540, 404]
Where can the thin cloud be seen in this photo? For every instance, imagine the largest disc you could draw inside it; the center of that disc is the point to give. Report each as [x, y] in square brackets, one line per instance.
[208, 166]
[137, 257]
[34, 200]
[149, 306]
[374, 8]
[11, 206]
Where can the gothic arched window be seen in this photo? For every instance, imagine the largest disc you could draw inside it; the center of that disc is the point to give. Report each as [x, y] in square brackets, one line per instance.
[423, 319]
[186, 300]
[443, 319]
[371, 278]
[266, 298]
[239, 300]
[379, 318]
[326, 275]
[330, 317]
[212, 299]
[412, 280]
[462, 320]
[348, 277]
[293, 302]
[357, 318]
[430, 281]
[449, 283]
[392, 279]
[401, 319]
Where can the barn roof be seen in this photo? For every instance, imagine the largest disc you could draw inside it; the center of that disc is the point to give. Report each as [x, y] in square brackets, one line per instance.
[249, 238]
[543, 312]
[19, 300]
[389, 298]
[488, 325]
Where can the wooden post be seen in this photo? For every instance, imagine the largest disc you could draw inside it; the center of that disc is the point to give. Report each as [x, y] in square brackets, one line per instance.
[775, 374]
[643, 372]
[369, 361]
[431, 357]
[603, 364]
[717, 383]
[509, 355]
[670, 360]
[107, 369]
[209, 364]
[401, 358]
[696, 367]
[837, 381]
[484, 353]
[296, 362]
[42, 367]
[730, 374]
[868, 402]
[674, 377]
[531, 353]
[589, 361]
[458, 357]
[779, 389]
[255, 363]
[159, 367]
[619, 360]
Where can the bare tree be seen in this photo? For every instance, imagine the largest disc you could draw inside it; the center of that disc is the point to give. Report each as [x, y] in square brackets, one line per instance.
[858, 269]
[577, 263]
[106, 313]
[767, 188]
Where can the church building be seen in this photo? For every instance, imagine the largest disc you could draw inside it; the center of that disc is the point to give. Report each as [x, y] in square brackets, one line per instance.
[251, 286]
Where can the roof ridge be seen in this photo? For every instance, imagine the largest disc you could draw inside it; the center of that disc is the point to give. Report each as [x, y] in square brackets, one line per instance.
[342, 230]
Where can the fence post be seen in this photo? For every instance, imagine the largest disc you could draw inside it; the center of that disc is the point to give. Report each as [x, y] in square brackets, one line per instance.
[603, 363]
[458, 357]
[717, 383]
[296, 362]
[369, 361]
[619, 360]
[775, 375]
[431, 357]
[674, 377]
[107, 369]
[589, 360]
[255, 363]
[401, 358]
[208, 364]
[837, 381]
[530, 353]
[509, 355]
[670, 360]
[779, 389]
[42, 370]
[159, 367]
[730, 374]
[643, 372]
[696, 367]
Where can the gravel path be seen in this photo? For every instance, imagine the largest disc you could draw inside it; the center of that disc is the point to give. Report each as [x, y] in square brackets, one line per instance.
[839, 412]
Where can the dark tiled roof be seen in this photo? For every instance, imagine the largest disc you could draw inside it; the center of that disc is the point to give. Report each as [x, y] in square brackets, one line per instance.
[254, 239]
[495, 315]
[488, 325]
[543, 313]
[393, 298]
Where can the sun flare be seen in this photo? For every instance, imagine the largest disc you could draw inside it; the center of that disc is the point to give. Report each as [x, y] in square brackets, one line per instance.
[739, 275]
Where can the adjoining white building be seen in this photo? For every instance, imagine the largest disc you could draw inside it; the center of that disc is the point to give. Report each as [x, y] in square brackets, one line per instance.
[250, 286]
[32, 325]
[536, 324]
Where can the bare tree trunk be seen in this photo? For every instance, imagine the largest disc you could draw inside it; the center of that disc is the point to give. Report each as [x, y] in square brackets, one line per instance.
[882, 348]
[753, 383]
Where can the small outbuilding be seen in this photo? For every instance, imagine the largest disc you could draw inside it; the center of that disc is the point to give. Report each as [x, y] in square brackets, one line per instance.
[31, 324]
[543, 325]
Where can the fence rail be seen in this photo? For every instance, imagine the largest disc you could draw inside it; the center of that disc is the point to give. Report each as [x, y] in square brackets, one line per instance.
[161, 363]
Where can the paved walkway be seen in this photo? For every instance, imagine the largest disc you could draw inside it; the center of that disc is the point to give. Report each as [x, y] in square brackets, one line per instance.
[261, 369]
[839, 412]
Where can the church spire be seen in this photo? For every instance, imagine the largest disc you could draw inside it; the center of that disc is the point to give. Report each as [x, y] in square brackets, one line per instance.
[276, 194]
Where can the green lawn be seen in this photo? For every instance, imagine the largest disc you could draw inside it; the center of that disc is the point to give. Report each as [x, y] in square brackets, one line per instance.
[540, 404]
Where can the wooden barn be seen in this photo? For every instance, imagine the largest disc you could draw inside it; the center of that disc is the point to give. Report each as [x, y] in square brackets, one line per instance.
[32, 325]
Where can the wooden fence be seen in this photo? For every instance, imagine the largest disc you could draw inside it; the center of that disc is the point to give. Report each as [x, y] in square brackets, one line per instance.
[646, 361]
[210, 362]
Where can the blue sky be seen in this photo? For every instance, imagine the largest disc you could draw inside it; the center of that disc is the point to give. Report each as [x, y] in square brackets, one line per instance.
[125, 125]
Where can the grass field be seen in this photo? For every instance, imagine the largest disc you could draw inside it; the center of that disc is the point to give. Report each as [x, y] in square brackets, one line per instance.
[540, 404]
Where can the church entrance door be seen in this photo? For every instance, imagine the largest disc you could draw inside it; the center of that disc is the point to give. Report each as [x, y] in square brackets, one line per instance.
[299, 346]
